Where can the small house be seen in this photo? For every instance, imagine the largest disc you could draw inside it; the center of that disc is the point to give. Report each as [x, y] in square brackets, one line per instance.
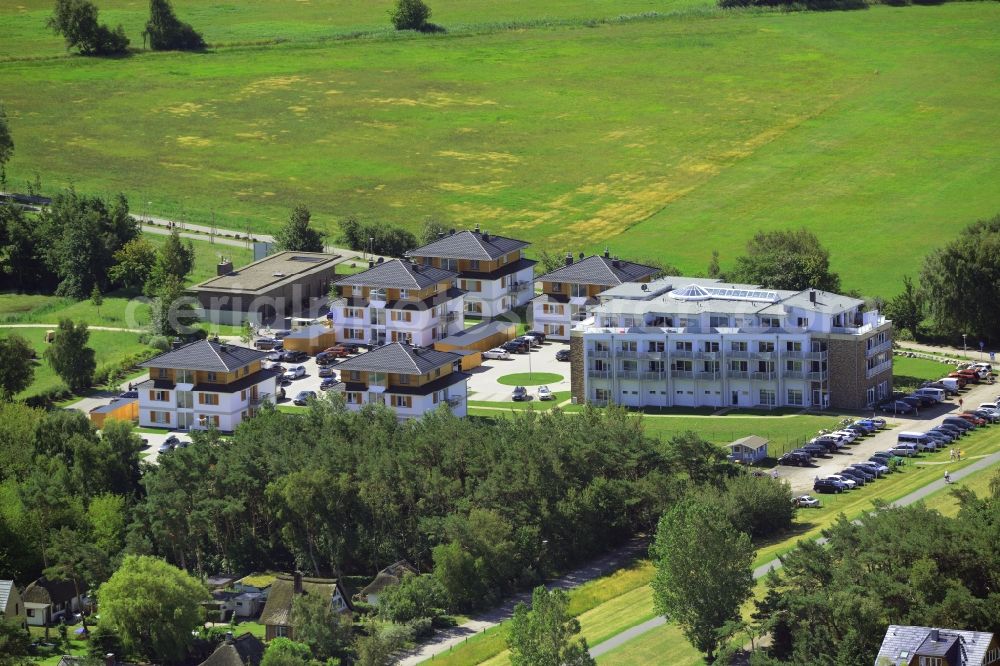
[387, 577]
[123, 409]
[48, 601]
[11, 605]
[243, 650]
[311, 339]
[927, 646]
[748, 450]
[277, 614]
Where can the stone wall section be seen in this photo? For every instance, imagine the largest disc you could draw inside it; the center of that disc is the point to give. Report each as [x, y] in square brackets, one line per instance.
[577, 368]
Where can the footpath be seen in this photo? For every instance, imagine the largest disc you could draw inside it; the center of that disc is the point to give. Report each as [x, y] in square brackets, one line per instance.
[764, 569]
[445, 640]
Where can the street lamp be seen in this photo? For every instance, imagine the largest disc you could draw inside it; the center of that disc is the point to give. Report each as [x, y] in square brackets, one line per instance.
[965, 350]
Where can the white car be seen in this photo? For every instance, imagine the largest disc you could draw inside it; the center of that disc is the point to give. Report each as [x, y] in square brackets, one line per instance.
[544, 393]
[807, 501]
[497, 353]
[296, 372]
[847, 435]
[850, 483]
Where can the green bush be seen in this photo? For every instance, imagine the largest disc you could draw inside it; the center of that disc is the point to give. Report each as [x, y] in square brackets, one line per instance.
[410, 15]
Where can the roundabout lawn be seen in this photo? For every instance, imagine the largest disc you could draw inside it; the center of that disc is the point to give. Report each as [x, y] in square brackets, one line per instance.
[530, 378]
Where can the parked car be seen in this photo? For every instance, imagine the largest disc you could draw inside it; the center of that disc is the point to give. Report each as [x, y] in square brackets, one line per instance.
[516, 346]
[868, 475]
[537, 334]
[848, 435]
[828, 444]
[337, 351]
[520, 393]
[940, 436]
[896, 407]
[795, 458]
[327, 383]
[972, 418]
[950, 428]
[544, 393]
[296, 372]
[166, 447]
[854, 474]
[264, 344]
[874, 468]
[867, 424]
[915, 403]
[847, 481]
[805, 502]
[816, 450]
[531, 340]
[498, 353]
[294, 356]
[129, 395]
[828, 486]
[303, 397]
[327, 371]
[989, 415]
[274, 356]
[562, 355]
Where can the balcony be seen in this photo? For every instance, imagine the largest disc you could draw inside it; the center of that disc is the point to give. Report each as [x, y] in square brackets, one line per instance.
[706, 375]
[881, 367]
[628, 374]
[763, 356]
[259, 400]
[652, 355]
[738, 354]
[814, 356]
[815, 376]
[598, 374]
[708, 356]
[598, 354]
[737, 374]
[682, 353]
[451, 316]
[454, 401]
[762, 376]
[884, 346]
[684, 374]
[627, 353]
[653, 376]
[794, 374]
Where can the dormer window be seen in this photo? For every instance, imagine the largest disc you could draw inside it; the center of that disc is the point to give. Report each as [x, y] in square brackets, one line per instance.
[473, 264]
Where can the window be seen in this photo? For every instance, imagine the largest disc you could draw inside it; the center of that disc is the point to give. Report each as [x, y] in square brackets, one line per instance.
[208, 398]
[602, 394]
[281, 631]
[473, 264]
[475, 307]
[794, 397]
[552, 308]
[355, 376]
[210, 377]
[655, 366]
[931, 661]
[354, 313]
[553, 329]
[738, 366]
[159, 396]
[767, 397]
[353, 398]
[243, 395]
[765, 347]
[711, 366]
[770, 322]
[401, 401]
[683, 366]
[578, 290]
[803, 322]
[600, 365]
[871, 396]
[628, 346]
[683, 345]
[711, 347]
[793, 366]
[159, 417]
[601, 346]
[404, 379]
[655, 346]
[556, 287]
[738, 346]
[206, 420]
[630, 365]
[437, 372]
[30, 611]
[400, 315]
[793, 346]
[450, 264]
[718, 321]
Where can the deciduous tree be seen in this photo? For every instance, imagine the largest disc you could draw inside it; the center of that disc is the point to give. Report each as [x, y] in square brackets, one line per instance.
[6, 145]
[15, 643]
[152, 606]
[542, 635]
[410, 15]
[76, 21]
[319, 626]
[133, 264]
[168, 33]
[174, 260]
[70, 357]
[703, 571]
[793, 260]
[17, 365]
[906, 309]
[73, 557]
[285, 652]
[296, 235]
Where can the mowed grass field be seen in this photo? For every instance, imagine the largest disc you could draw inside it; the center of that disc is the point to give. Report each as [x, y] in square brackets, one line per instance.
[661, 137]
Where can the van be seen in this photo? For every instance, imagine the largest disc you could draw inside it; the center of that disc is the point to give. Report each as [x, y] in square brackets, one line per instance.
[922, 441]
[951, 384]
[905, 450]
[935, 394]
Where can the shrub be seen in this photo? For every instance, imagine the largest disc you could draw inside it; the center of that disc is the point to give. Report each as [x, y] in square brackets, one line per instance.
[410, 15]
[76, 21]
[159, 342]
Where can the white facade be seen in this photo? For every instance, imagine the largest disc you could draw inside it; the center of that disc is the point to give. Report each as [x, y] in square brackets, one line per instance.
[371, 321]
[408, 405]
[556, 319]
[492, 298]
[185, 408]
[729, 346]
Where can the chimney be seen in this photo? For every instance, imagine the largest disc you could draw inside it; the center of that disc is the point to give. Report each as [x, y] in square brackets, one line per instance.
[477, 227]
[607, 253]
[297, 583]
[371, 263]
[224, 267]
[451, 232]
[440, 234]
[380, 260]
[486, 236]
[812, 295]
[569, 258]
[582, 255]
[223, 348]
[229, 638]
[109, 659]
[935, 635]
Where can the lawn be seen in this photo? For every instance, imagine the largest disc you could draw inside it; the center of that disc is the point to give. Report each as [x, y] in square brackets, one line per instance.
[487, 407]
[530, 378]
[565, 134]
[207, 255]
[908, 373]
[110, 347]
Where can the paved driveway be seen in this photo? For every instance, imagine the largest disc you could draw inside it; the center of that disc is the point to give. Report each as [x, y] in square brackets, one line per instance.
[484, 385]
[801, 478]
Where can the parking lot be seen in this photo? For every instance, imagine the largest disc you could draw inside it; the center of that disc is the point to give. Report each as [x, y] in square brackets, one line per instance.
[483, 384]
[802, 478]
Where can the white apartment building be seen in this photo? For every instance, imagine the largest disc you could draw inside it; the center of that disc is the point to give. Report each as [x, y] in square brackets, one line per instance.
[696, 342]
[410, 380]
[492, 270]
[204, 384]
[398, 301]
[569, 292]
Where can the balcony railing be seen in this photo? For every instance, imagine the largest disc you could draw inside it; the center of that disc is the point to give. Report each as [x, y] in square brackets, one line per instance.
[706, 375]
[628, 374]
[764, 356]
[881, 347]
[627, 353]
[454, 401]
[259, 400]
[682, 373]
[881, 367]
[451, 316]
[708, 356]
[652, 355]
[737, 354]
[815, 356]
[762, 375]
[737, 374]
[655, 376]
[682, 353]
[599, 354]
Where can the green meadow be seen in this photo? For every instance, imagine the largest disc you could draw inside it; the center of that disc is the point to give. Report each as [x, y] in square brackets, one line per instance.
[666, 135]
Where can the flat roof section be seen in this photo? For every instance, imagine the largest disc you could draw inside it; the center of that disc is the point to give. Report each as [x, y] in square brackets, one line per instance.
[476, 333]
[270, 272]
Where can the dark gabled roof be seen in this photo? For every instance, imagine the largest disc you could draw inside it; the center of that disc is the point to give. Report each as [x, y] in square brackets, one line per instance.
[399, 359]
[244, 650]
[397, 274]
[600, 270]
[507, 269]
[426, 304]
[45, 591]
[469, 245]
[901, 643]
[391, 575]
[278, 609]
[206, 355]
[426, 388]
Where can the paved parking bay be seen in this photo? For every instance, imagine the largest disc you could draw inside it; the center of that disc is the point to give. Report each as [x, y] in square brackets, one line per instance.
[802, 478]
[483, 384]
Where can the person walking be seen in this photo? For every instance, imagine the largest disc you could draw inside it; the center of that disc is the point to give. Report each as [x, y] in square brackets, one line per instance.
[947, 477]
[951, 455]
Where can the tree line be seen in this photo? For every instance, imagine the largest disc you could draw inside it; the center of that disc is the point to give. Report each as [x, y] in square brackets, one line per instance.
[77, 21]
